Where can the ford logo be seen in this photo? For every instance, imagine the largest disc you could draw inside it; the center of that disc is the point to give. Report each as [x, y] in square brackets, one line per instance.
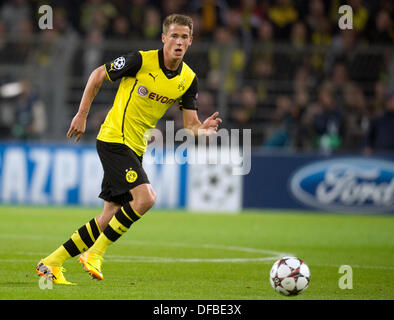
[346, 184]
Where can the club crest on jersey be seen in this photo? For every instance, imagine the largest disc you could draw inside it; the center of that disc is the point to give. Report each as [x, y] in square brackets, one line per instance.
[119, 63]
[181, 84]
[142, 91]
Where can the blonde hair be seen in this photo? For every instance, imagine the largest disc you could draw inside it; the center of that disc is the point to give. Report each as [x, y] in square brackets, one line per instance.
[178, 19]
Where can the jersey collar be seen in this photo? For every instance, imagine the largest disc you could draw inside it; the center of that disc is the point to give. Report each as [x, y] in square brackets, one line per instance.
[169, 73]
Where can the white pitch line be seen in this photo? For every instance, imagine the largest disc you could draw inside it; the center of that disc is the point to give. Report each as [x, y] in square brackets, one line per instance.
[137, 259]
[151, 243]
[356, 266]
[140, 259]
[274, 255]
[149, 259]
[191, 260]
[144, 259]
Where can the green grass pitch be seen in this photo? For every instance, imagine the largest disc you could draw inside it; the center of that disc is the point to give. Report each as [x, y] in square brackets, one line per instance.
[176, 255]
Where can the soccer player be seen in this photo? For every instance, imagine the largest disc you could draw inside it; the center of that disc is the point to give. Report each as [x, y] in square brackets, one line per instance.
[151, 82]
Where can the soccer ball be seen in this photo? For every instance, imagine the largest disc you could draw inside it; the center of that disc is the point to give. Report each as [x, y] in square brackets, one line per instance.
[290, 276]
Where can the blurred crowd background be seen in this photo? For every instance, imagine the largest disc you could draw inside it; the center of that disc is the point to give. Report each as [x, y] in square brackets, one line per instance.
[280, 67]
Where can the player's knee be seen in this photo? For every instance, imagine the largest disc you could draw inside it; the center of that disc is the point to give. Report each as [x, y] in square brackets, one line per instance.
[154, 196]
[150, 200]
[146, 202]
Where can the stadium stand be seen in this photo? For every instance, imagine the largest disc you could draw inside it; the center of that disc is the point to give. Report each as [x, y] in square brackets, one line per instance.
[282, 67]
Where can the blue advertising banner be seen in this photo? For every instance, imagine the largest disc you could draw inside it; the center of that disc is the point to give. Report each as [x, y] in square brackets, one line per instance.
[49, 174]
[72, 175]
[340, 184]
[62, 174]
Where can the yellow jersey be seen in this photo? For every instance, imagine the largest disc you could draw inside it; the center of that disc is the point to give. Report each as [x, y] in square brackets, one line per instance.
[146, 91]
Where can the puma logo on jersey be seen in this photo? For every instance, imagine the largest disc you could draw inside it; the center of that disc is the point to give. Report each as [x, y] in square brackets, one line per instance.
[154, 77]
[111, 68]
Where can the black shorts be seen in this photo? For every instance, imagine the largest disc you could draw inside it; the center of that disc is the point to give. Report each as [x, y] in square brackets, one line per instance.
[123, 171]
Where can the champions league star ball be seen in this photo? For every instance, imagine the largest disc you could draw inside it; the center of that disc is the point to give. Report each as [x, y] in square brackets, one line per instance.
[290, 276]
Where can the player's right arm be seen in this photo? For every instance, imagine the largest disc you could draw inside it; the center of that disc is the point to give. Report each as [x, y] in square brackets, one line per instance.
[123, 66]
[78, 124]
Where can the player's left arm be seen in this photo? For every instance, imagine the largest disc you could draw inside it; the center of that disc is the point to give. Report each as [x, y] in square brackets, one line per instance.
[208, 127]
[190, 117]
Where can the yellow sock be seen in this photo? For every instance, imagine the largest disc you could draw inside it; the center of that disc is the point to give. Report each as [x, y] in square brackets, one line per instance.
[80, 241]
[118, 225]
[101, 245]
[57, 257]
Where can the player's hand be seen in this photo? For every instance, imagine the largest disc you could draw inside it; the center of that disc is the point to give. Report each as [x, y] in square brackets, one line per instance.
[77, 127]
[211, 124]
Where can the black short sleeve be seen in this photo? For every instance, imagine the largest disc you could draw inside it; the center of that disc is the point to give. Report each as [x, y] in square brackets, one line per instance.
[126, 65]
[189, 98]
